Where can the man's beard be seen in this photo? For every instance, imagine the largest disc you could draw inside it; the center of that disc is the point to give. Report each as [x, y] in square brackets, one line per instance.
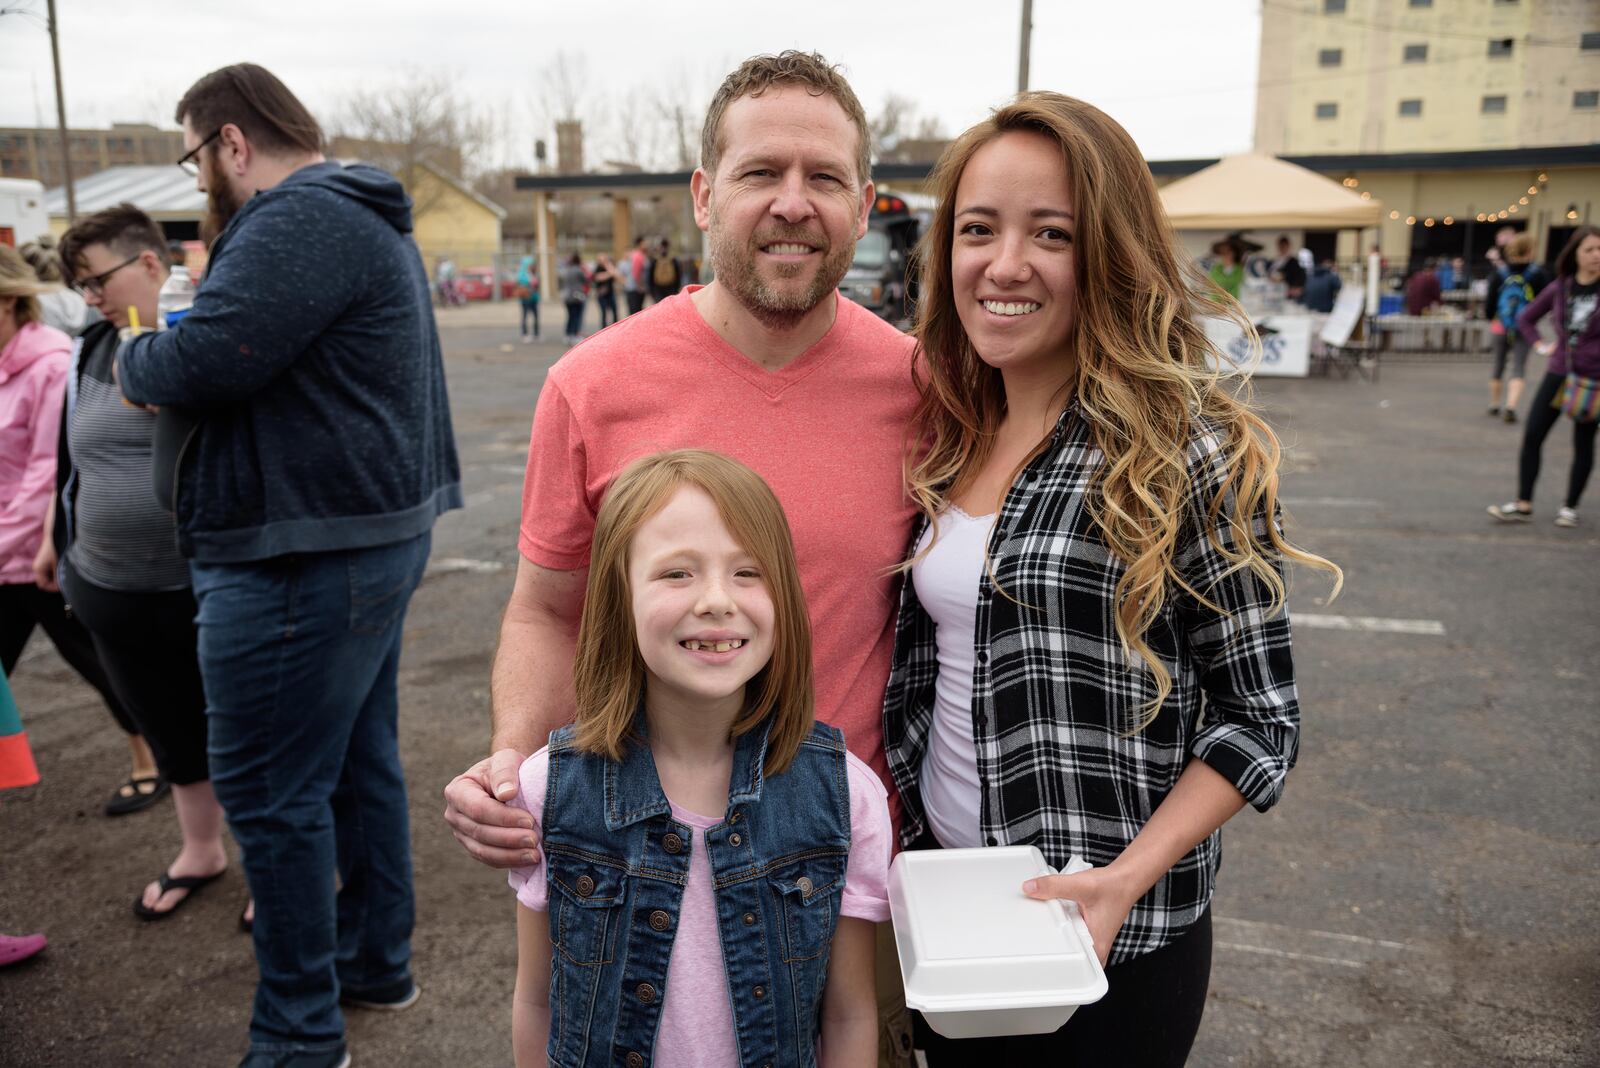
[221, 203]
[734, 264]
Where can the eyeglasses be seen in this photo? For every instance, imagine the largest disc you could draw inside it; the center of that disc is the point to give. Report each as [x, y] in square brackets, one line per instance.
[190, 161]
[95, 285]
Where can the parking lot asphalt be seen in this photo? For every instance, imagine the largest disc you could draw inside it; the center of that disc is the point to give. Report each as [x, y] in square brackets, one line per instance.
[1425, 894]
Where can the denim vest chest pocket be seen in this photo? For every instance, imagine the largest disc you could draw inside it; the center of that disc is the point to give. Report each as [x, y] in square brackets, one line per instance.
[587, 896]
[808, 890]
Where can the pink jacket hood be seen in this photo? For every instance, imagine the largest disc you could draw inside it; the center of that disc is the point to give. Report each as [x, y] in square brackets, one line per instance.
[32, 342]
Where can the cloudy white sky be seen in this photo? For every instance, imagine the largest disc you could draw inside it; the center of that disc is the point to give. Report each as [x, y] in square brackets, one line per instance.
[1179, 74]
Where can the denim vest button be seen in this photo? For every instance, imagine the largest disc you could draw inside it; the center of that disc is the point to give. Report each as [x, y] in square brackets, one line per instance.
[585, 886]
[646, 993]
[804, 886]
[660, 921]
[749, 919]
[672, 843]
[760, 991]
[635, 1061]
[734, 839]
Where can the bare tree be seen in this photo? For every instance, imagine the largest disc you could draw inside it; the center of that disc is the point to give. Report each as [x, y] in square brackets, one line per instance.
[897, 124]
[419, 122]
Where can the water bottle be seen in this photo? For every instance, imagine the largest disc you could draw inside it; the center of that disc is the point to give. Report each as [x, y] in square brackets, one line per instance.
[177, 294]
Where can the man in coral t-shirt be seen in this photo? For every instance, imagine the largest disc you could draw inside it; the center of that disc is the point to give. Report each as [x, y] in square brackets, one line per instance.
[767, 364]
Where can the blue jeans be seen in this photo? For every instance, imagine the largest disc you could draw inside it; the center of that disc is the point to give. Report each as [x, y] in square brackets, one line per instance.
[300, 656]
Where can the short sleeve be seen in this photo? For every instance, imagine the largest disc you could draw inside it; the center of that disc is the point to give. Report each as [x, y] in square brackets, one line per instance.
[557, 521]
[529, 882]
[866, 877]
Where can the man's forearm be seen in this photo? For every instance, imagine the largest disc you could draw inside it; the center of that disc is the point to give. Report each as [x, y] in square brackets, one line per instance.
[531, 686]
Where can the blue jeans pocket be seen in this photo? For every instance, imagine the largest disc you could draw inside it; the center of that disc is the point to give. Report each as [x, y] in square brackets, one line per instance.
[381, 583]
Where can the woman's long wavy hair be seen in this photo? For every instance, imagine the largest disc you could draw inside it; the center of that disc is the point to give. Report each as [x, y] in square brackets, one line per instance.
[1144, 374]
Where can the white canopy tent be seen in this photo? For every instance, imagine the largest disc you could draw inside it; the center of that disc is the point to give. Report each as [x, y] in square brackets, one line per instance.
[1256, 192]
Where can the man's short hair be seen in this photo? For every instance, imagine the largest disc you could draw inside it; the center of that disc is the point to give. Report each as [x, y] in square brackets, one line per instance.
[253, 99]
[124, 229]
[758, 74]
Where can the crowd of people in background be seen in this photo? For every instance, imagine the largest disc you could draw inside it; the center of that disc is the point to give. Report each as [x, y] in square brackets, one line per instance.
[618, 287]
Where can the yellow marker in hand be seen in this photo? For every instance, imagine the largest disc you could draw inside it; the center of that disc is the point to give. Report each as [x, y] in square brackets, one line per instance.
[133, 329]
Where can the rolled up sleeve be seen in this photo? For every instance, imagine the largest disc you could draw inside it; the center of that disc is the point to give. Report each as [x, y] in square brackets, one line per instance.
[1250, 724]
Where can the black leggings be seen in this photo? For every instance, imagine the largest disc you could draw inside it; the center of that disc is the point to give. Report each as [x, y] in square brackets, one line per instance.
[1149, 1017]
[147, 643]
[530, 310]
[1541, 418]
[574, 318]
[24, 606]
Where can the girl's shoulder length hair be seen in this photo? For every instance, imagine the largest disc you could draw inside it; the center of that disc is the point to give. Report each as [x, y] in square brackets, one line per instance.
[1567, 258]
[1145, 377]
[609, 673]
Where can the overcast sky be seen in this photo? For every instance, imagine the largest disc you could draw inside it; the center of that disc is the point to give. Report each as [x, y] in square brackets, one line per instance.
[1179, 74]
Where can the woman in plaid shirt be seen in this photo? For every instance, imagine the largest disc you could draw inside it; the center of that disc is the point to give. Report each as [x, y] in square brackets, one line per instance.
[1092, 652]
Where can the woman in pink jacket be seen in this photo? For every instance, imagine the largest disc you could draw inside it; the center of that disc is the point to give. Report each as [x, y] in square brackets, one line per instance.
[34, 359]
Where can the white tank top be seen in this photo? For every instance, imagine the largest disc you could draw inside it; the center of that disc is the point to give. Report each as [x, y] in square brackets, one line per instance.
[946, 581]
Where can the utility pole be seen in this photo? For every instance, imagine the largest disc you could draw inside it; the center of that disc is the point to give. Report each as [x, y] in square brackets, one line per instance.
[1022, 61]
[61, 121]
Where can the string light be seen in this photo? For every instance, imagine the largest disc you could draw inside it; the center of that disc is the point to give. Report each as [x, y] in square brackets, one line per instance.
[1365, 195]
[1572, 211]
[1394, 215]
[1411, 220]
[1448, 221]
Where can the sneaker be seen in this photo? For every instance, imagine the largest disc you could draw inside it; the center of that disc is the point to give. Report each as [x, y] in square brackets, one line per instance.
[1510, 513]
[391, 1000]
[527, 338]
[332, 1058]
[1511, 415]
[1567, 517]
[1493, 412]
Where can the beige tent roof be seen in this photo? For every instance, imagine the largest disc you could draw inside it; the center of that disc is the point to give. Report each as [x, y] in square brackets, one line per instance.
[1250, 192]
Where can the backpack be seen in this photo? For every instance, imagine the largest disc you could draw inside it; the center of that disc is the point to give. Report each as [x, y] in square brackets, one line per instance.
[1515, 294]
[665, 272]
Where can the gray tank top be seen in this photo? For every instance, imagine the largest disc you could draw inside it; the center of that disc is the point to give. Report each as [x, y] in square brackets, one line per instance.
[123, 539]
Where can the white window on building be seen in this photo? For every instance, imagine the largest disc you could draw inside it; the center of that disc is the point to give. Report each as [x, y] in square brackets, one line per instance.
[1494, 105]
[1500, 48]
[1421, 3]
[1328, 111]
[1590, 42]
[1330, 57]
[1415, 53]
[1410, 109]
[1333, 7]
[1586, 99]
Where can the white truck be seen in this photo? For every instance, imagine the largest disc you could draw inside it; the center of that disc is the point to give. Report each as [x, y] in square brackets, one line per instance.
[22, 214]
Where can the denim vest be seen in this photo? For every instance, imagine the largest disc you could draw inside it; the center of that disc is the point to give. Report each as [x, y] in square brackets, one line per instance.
[616, 863]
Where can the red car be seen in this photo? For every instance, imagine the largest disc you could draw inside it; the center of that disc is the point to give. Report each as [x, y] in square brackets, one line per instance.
[477, 283]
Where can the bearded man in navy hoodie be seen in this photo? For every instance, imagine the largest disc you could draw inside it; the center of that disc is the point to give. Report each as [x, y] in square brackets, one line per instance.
[304, 443]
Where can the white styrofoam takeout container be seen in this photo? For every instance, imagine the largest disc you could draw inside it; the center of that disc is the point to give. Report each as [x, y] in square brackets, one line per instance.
[979, 957]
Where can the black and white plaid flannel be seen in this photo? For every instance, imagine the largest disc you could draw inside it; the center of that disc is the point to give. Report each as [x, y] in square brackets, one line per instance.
[1053, 696]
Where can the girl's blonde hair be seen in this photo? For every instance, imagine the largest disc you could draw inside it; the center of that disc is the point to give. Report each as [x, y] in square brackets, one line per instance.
[1144, 373]
[609, 675]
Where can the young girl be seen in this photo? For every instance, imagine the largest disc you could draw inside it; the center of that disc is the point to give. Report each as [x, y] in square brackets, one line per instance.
[712, 861]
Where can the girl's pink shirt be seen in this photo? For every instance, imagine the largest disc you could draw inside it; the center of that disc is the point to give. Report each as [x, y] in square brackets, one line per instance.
[33, 380]
[697, 1031]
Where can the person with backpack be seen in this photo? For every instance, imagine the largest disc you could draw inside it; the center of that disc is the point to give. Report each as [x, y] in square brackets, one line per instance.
[1571, 383]
[666, 277]
[1520, 281]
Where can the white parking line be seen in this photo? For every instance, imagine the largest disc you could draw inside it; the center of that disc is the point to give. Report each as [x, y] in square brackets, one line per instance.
[450, 564]
[1310, 946]
[1287, 955]
[1360, 940]
[1332, 502]
[1369, 623]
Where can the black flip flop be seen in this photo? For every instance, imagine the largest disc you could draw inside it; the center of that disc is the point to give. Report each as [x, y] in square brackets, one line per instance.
[191, 883]
[121, 805]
